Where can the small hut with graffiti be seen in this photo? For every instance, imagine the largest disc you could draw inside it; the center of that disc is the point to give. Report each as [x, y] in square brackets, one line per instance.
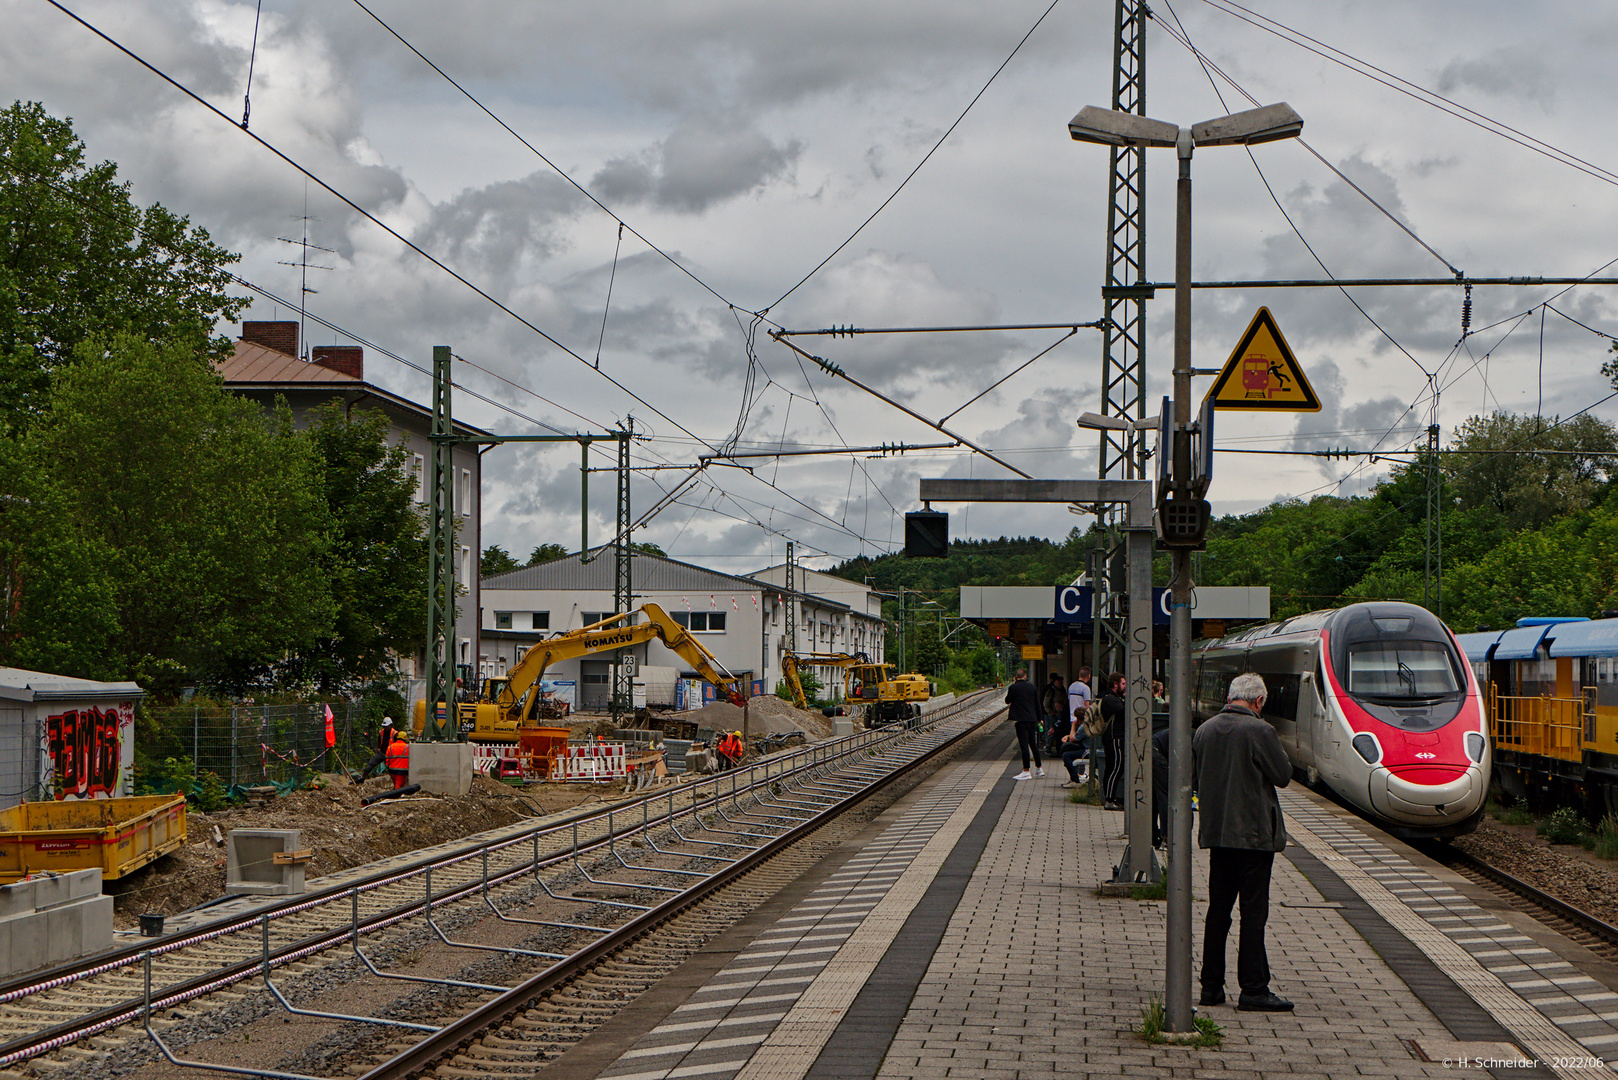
[65, 738]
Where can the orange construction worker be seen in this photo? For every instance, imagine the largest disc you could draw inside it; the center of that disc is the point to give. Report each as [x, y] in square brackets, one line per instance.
[731, 750]
[399, 760]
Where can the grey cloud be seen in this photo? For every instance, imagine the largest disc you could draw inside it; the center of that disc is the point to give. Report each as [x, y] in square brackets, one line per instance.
[491, 232]
[700, 164]
[1518, 72]
[1337, 425]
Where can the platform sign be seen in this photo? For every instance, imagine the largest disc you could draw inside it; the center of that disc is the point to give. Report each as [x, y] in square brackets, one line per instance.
[1033, 652]
[1263, 374]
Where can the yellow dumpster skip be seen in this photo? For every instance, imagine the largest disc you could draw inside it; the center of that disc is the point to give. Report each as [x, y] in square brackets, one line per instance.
[114, 836]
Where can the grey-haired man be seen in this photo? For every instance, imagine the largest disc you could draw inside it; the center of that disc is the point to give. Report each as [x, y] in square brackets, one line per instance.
[1239, 764]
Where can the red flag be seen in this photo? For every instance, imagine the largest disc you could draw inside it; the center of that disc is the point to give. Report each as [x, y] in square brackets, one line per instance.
[331, 729]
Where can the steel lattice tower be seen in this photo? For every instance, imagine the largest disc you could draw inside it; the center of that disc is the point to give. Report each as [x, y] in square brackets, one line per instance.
[622, 586]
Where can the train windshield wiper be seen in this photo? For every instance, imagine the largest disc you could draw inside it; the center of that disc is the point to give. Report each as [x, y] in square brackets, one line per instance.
[1408, 676]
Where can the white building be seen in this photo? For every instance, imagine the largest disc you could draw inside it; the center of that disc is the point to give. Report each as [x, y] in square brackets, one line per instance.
[741, 620]
[65, 738]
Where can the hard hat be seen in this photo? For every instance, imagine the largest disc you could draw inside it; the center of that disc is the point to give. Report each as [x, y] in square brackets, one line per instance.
[387, 721]
[737, 734]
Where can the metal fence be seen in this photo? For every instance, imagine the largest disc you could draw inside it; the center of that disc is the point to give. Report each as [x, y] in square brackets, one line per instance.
[250, 745]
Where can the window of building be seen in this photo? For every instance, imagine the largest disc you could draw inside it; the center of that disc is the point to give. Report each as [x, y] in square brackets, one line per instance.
[418, 470]
[701, 622]
[463, 494]
[542, 620]
[589, 617]
[595, 678]
[502, 620]
[465, 575]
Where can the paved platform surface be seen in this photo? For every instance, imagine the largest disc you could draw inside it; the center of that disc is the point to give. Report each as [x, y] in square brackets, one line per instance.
[962, 936]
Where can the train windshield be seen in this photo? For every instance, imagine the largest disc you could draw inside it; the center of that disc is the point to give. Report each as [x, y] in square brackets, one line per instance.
[1400, 669]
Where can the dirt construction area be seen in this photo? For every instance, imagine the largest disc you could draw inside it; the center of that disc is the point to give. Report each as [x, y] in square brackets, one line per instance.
[342, 833]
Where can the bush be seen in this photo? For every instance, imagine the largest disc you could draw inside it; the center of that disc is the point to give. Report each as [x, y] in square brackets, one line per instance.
[1564, 826]
[1606, 837]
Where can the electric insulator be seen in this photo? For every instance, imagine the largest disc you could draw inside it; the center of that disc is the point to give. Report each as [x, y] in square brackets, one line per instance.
[1466, 312]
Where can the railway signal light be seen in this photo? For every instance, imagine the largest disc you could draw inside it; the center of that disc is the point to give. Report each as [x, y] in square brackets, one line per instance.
[927, 534]
[1183, 523]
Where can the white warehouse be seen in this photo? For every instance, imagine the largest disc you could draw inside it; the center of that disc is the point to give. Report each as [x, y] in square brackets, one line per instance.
[738, 619]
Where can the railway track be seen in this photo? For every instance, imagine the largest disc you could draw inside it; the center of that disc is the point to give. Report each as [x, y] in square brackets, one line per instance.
[569, 922]
[1598, 936]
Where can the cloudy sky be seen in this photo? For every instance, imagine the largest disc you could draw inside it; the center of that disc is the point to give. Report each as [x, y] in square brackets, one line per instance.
[742, 144]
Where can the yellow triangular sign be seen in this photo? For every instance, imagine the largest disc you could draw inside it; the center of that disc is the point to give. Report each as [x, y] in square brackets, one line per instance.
[1262, 373]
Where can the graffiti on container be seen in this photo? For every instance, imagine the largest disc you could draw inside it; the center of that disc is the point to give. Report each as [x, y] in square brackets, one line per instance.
[85, 747]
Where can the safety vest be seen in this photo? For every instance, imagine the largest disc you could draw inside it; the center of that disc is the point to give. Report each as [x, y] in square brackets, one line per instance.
[731, 747]
[398, 756]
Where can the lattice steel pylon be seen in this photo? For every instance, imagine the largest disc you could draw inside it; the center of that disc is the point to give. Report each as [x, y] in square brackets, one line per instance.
[623, 597]
[1432, 593]
[1124, 296]
[441, 559]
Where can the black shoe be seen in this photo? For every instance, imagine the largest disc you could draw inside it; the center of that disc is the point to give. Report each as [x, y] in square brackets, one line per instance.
[1265, 1002]
[1212, 997]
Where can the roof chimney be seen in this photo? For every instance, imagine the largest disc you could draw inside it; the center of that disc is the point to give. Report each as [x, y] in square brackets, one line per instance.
[280, 336]
[349, 359]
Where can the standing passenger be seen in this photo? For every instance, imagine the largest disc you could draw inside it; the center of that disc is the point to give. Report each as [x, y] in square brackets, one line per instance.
[1023, 700]
[1113, 711]
[1239, 764]
[1056, 718]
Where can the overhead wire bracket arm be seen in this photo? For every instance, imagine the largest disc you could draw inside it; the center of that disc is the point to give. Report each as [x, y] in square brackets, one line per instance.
[850, 331]
[833, 369]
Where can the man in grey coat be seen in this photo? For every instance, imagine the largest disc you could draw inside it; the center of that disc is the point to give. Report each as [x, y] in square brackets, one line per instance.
[1239, 764]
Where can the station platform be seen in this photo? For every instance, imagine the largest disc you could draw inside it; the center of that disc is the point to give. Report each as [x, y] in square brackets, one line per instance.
[962, 935]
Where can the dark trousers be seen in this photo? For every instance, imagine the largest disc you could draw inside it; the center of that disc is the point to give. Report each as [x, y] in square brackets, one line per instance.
[1056, 729]
[376, 759]
[1072, 754]
[1028, 742]
[1233, 873]
[1113, 778]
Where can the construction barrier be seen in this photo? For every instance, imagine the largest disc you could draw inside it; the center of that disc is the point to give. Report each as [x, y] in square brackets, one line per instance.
[592, 763]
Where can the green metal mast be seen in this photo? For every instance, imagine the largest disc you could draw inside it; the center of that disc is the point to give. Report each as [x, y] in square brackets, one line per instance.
[441, 561]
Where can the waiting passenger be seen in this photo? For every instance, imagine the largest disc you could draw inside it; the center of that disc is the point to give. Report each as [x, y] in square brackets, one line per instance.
[1023, 702]
[1239, 764]
[1113, 712]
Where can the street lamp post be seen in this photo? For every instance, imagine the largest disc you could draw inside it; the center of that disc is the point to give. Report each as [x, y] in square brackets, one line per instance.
[1182, 511]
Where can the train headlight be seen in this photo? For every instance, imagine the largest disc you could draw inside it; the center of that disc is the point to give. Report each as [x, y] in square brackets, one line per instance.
[1474, 746]
[1367, 748]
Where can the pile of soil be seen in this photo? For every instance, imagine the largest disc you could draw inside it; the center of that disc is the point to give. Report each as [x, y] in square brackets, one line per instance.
[767, 715]
[340, 832]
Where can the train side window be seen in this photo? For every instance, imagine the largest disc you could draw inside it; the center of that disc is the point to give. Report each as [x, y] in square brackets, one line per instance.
[1283, 699]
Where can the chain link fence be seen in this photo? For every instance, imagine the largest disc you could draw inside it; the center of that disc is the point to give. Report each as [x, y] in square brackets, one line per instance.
[252, 745]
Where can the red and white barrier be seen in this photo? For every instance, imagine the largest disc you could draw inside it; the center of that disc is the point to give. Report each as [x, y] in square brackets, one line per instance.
[591, 763]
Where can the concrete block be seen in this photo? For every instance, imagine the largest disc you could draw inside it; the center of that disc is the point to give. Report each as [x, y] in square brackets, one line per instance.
[26, 943]
[441, 768]
[16, 899]
[50, 891]
[250, 867]
[64, 933]
[842, 726]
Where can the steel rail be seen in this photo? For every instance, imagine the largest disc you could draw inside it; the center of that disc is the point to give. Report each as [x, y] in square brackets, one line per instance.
[67, 1032]
[414, 1060]
[1452, 856]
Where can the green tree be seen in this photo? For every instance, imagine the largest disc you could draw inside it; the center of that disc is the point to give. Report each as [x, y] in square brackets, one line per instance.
[78, 259]
[1527, 470]
[648, 549]
[545, 553]
[378, 559]
[496, 560]
[196, 514]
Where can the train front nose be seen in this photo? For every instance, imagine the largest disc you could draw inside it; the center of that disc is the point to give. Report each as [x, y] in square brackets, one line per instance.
[1427, 794]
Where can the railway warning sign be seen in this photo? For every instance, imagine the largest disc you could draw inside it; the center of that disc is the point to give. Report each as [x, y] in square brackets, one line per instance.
[1263, 374]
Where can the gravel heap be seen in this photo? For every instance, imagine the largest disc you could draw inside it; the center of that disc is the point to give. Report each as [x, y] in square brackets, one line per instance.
[767, 715]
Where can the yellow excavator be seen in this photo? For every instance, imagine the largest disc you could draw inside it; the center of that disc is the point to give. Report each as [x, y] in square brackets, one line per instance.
[514, 701]
[870, 690]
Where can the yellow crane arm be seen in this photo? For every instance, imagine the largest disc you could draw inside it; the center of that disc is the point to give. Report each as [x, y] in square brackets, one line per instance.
[604, 636]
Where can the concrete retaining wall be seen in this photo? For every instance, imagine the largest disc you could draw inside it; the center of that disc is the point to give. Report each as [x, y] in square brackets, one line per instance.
[52, 919]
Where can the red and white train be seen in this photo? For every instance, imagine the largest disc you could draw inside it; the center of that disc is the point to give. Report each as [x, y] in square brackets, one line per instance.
[1375, 701]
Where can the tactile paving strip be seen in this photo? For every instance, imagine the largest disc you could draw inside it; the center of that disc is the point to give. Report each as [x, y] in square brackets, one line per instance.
[1554, 1011]
[768, 1012]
